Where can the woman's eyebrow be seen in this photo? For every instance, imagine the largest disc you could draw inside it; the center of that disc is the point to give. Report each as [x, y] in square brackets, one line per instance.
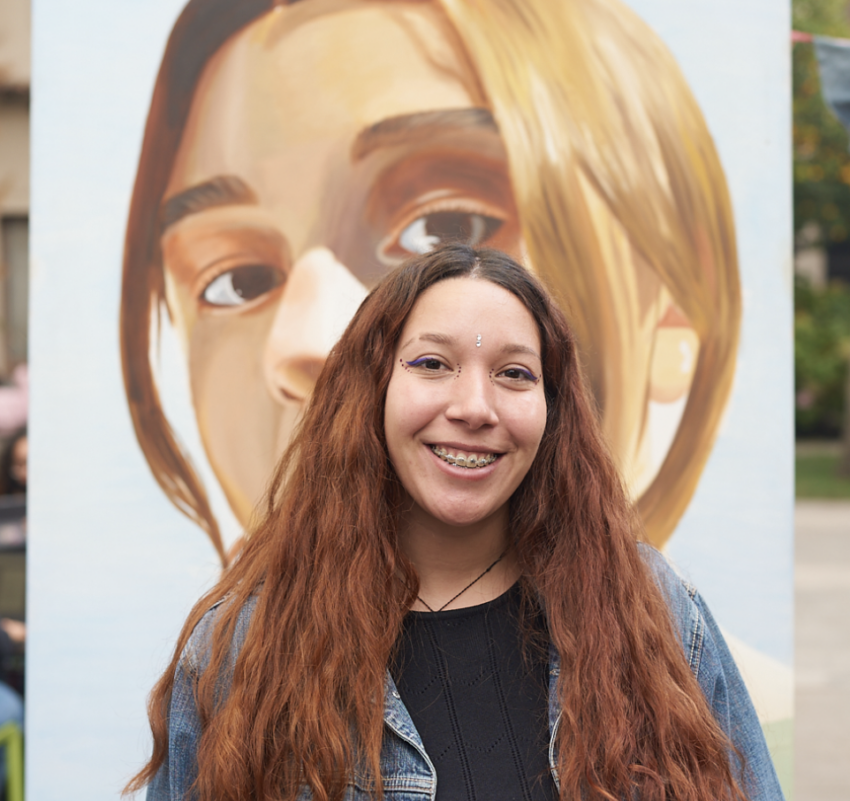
[512, 348]
[439, 339]
[421, 126]
[223, 190]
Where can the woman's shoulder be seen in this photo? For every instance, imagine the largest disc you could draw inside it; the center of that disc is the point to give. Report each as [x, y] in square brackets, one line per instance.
[197, 653]
[717, 674]
[687, 609]
[704, 646]
[671, 583]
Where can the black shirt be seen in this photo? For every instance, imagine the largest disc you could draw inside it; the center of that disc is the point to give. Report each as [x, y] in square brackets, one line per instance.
[479, 705]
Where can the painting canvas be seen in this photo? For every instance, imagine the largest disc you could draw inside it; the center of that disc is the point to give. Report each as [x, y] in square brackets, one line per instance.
[218, 185]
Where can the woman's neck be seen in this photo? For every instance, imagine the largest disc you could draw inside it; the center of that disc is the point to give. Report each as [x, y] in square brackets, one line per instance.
[450, 560]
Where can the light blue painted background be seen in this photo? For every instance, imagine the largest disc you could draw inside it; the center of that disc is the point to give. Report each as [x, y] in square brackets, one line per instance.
[114, 569]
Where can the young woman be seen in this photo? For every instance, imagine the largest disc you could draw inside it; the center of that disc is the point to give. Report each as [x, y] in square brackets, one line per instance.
[445, 597]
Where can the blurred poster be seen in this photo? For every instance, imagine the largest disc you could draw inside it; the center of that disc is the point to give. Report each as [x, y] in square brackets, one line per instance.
[218, 184]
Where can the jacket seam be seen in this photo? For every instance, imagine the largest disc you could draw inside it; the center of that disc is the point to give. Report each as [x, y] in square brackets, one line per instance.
[697, 636]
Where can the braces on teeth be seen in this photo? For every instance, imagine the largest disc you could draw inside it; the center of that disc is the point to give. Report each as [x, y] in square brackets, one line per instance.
[463, 461]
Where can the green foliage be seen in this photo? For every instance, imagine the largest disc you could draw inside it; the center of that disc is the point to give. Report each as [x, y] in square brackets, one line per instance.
[817, 477]
[824, 17]
[821, 356]
[821, 158]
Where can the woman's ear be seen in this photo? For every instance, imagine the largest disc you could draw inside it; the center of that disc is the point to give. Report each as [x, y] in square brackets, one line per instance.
[674, 357]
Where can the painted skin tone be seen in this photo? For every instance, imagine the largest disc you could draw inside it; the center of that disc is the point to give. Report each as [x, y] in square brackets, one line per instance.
[449, 393]
[343, 174]
[339, 137]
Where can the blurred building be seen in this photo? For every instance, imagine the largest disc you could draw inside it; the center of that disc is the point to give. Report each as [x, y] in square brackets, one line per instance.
[14, 180]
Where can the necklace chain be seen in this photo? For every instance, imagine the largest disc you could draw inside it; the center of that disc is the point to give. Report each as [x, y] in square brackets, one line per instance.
[474, 581]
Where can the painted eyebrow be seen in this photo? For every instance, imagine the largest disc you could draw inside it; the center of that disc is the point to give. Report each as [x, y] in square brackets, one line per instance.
[421, 126]
[226, 190]
[223, 190]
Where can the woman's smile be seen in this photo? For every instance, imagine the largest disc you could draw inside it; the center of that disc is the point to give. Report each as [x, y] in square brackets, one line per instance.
[465, 458]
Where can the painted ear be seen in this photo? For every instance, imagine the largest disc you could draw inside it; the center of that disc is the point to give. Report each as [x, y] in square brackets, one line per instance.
[674, 357]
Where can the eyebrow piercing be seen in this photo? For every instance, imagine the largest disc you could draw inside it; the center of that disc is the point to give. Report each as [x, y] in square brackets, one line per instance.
[478, 341]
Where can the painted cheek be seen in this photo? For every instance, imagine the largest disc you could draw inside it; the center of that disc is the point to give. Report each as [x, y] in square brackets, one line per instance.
[182, 308]
[238, 420]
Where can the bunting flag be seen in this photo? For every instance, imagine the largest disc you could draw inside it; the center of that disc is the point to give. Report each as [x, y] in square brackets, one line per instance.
[833, 57]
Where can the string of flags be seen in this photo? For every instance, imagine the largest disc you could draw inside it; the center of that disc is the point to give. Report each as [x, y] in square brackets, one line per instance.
[833, 57]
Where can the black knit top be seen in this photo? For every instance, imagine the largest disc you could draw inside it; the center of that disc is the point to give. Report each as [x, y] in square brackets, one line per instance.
[478, 704]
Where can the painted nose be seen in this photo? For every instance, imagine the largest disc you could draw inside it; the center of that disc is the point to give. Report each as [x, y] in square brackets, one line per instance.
[319, 300]
[473, 400]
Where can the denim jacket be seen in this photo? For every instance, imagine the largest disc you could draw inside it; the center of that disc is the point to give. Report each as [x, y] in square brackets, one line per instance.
[407, 771]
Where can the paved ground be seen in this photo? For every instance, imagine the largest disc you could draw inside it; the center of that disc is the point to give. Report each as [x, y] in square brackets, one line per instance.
[822, 583]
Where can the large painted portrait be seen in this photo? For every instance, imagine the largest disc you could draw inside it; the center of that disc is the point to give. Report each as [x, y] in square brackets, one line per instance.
[228, 191]
[296, 152]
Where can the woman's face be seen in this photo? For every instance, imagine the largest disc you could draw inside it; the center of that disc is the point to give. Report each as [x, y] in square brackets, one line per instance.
[465, 408]
[326, 142]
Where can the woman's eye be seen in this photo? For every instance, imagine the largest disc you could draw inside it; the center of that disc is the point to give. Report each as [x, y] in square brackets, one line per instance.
[518, 374]
[429, 363]
[431, 230]
[242, 285]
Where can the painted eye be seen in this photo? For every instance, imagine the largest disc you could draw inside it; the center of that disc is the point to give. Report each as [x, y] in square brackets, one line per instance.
[427, 232]
[242, 285]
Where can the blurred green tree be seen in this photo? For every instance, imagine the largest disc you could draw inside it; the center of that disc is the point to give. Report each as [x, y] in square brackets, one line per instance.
[821, 355]
[821, 157]
[822, 211]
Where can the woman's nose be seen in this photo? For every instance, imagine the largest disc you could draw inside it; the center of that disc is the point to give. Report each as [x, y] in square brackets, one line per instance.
[318, 301]
[473, 399]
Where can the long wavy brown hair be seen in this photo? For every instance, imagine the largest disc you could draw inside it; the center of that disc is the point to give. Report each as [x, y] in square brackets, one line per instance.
[331, 588]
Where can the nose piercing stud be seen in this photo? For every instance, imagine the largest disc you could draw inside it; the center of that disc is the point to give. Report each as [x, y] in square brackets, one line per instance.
[478, 341]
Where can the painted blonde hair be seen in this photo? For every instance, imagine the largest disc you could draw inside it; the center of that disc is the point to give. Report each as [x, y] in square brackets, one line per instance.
[612, 165]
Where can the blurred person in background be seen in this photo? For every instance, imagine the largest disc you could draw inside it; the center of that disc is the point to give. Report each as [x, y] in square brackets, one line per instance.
[14, 401]
[13, 464]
